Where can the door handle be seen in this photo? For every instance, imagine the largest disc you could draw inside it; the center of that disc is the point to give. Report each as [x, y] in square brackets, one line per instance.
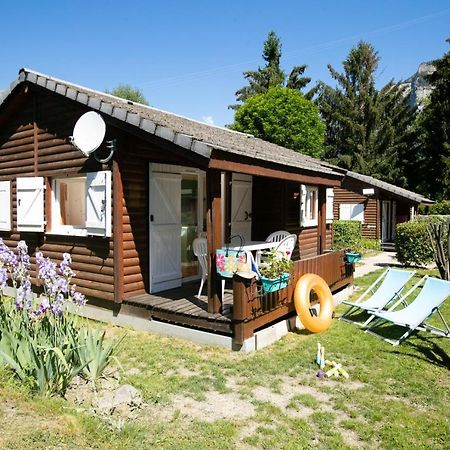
[151, 218]
[247, 215]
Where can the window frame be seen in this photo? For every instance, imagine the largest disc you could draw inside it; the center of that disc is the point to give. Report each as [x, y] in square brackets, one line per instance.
[61, 229]
[98, 214]
[305, 206]
[352, 207]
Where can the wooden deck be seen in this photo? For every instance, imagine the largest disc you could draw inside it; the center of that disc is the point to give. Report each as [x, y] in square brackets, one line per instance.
[181, 306]
[245, 308]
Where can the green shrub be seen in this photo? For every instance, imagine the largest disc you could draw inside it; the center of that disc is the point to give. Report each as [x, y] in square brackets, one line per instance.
[369, 244]
[440, 208]
[434, 218]
[413, 243]
[346, 234]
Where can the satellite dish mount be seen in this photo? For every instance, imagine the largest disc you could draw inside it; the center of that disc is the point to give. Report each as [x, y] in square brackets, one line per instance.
[89, 133]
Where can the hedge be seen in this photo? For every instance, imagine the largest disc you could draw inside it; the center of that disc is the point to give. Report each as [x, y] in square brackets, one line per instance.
[413, 244]
[433, 218]
[440, 208]
[346, 234]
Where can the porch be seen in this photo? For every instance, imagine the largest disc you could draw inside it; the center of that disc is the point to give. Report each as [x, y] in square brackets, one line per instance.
[245, 309]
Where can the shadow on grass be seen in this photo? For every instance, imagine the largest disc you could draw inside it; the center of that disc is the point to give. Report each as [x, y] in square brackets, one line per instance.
[428, 351]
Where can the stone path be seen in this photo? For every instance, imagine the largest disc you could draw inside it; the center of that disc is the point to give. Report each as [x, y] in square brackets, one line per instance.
[375, 262]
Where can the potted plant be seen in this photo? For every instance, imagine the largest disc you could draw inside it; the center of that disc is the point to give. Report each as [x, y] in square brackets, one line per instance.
[275, 270]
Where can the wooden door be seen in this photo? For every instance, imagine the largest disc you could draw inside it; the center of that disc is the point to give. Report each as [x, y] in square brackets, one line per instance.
[165, 231]
[241, 205]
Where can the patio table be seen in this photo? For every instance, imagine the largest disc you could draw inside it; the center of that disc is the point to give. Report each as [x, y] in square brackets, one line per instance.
[252, 246]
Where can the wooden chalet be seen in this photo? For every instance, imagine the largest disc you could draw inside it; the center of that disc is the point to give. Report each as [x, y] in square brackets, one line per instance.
[129, 224]
[378, 205]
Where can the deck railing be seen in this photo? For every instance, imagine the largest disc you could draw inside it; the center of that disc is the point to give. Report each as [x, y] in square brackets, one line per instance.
[253, 309]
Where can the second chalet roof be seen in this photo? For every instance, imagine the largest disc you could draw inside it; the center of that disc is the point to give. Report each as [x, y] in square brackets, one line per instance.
[190, 134]
[389, 188]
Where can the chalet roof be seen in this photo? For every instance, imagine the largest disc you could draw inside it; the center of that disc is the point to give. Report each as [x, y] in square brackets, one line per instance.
[192, 135]
[404, 193]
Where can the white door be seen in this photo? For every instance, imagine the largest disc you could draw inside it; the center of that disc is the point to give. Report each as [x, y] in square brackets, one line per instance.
[394, 220]
[241, 205]
[386, 221]
[165, 231]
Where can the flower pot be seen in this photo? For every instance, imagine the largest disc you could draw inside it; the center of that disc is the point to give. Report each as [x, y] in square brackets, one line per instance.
[352, 257]
[274, 284]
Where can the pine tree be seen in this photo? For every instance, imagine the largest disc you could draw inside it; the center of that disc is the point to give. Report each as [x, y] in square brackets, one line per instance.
[271, 75]
[432, 174]
[366, 128]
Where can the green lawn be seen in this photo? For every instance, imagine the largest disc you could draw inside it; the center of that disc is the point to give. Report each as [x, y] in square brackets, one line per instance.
[209, 398]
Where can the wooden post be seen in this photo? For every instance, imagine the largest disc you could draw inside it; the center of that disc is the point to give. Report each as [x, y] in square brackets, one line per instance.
[118, 232]
[214, 233]
[322, 220]
[242, 328]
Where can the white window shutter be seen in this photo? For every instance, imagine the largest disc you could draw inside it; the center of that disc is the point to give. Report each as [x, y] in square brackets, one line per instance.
[302, 204]
[30, 204]
[5, 205]
[330, 205]
[98, 203]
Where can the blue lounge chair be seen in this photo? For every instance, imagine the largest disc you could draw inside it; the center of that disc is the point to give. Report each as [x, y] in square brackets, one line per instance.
[433, 294]
[385, 290]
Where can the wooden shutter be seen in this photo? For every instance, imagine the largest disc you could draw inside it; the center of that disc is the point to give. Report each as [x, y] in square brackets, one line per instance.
[330, 205]
[98, 203]
[302, 204]
[30, 204]
[5, 205]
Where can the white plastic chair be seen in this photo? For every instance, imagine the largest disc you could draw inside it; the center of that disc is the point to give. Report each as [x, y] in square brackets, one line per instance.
[287, 245]
[200, 249]
[277, 236]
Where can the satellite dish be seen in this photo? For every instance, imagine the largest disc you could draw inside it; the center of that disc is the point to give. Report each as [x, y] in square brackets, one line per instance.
[89, 132]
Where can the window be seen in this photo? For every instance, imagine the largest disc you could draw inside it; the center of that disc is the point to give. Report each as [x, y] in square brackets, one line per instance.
[81, 205]
[69, 204]
[349, 211]
[5, 202]
[308, 206]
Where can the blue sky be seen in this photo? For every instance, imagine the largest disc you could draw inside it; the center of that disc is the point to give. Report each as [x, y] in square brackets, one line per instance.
[188, 56]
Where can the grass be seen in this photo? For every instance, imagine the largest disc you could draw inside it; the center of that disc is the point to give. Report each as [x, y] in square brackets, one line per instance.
[395, 397]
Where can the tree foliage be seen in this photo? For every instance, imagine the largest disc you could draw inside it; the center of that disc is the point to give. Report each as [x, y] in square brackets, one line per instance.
[129, 92]
[432, 152]
[271, 75]
[367, 128]
[285, 117]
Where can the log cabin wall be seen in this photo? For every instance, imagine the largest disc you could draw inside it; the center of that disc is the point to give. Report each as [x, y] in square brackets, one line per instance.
[351, 193]
[276, 206]
[33, 143]
[134, 159]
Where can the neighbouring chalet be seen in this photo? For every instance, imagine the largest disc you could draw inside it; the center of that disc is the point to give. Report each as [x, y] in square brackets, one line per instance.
[129, 224]
[378, 205]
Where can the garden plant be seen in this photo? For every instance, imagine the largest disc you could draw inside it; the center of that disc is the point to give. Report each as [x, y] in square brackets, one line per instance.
[41, 340]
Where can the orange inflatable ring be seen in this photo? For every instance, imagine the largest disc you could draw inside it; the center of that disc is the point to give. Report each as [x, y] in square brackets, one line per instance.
[307, 283]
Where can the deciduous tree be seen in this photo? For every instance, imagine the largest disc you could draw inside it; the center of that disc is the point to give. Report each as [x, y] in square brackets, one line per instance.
[285, 117]
[129, 92]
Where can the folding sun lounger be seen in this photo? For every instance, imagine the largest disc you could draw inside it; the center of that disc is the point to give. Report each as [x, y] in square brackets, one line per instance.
[413, 317]
[387, 290]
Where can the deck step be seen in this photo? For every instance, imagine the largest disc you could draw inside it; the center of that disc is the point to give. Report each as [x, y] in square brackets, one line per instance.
[388, 246]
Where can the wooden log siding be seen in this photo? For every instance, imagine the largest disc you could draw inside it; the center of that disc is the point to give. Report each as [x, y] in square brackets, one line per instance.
[353, 194]
[252, 311]
[135, 226]
[45, 123]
